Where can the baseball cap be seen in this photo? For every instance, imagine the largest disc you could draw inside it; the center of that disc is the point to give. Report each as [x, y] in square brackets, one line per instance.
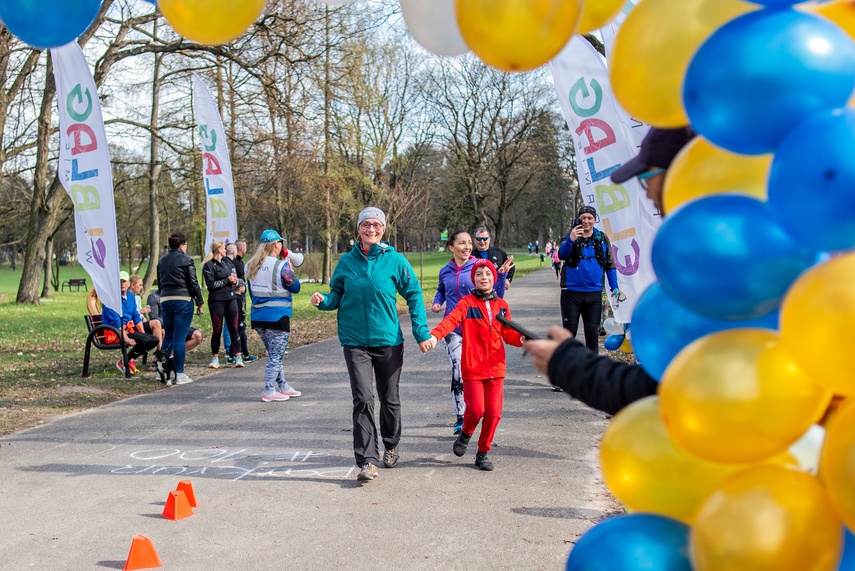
[124, 276]
[270, 236]
[658, 149]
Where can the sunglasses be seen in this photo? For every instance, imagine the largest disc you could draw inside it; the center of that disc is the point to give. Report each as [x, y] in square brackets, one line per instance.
[643, 177]
[483, 239]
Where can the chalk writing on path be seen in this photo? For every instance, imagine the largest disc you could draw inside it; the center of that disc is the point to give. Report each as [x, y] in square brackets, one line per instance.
[235, 465]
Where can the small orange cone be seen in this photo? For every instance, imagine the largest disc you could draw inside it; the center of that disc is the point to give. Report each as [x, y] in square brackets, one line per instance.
[177, 507]
[186, 486]
[142, 555]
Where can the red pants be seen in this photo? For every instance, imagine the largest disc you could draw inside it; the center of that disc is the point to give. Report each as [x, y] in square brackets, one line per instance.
[483, 399]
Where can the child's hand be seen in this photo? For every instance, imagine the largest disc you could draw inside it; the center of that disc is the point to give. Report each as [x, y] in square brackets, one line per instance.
[428, 344]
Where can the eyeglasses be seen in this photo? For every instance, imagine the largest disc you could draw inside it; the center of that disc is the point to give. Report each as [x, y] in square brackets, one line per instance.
[370, 225]
[482, 239]
[643, 177]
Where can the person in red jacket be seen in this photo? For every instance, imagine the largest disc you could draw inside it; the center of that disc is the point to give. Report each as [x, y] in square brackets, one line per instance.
[483, 361]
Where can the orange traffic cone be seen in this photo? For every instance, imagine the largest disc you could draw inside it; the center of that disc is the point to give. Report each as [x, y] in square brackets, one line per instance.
[142, 555]
[186, 486]
[177, 507]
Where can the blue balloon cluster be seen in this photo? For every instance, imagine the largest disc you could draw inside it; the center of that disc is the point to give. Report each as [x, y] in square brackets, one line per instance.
[48, 23]
[613, 342]
[633, 542]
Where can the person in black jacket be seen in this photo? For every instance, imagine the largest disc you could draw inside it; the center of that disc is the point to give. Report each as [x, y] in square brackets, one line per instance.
[495, 255]
[222, 281]
[176, 278]
[598, 381]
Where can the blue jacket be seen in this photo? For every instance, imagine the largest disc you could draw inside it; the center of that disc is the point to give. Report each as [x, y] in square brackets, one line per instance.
[129, 312]
[587, 276]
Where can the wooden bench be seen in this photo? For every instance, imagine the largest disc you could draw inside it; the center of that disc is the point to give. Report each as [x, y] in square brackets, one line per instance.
[97, 337]
[75, 282]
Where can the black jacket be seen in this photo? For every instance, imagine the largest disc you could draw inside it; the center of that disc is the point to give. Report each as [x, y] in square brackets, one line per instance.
[498, 257]
[216, 275]
[597, 381]
[176, 276]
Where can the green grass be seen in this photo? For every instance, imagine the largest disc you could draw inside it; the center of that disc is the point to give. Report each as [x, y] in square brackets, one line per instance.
[41, 347]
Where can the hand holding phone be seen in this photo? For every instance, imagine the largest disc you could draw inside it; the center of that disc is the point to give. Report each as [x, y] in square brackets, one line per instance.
[518, 328]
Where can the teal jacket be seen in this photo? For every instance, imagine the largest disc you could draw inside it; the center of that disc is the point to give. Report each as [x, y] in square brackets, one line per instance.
[363, 291]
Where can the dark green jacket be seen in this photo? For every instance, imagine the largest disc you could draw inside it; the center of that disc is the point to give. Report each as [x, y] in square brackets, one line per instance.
[363, 291]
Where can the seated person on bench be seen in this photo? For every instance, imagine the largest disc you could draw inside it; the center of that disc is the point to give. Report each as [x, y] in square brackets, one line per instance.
[130, 324]
[151, 326]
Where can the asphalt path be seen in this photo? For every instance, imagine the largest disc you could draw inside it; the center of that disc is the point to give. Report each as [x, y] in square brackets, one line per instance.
[275, 482]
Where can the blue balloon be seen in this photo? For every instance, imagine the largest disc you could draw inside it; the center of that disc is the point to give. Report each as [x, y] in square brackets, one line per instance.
[613, 342]
[847, 560]
[633, 542]
[812, 178]
[48, 23]
[760, 75]
[725, 257]
[661, 328]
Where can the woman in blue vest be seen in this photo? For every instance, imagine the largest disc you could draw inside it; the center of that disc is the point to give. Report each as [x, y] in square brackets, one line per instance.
[587, 254]
[271, 283]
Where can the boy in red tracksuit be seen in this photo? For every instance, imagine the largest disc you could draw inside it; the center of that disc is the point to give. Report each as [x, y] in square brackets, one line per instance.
[483, 361]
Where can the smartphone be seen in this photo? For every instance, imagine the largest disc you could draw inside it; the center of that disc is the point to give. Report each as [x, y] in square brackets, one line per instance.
[518, 328]
[577, 222]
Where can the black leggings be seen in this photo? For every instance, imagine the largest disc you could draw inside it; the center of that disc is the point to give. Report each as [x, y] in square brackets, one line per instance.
[585, 304]
[144, 344]
[224, 311]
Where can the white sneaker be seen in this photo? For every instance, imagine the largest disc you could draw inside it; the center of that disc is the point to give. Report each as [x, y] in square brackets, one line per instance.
[274, 397]
[182, 379]
[215, 363]
[239, 362]
[289, 391]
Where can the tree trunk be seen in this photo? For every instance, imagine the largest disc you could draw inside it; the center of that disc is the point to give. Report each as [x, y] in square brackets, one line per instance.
[153, 175]
[48, 268]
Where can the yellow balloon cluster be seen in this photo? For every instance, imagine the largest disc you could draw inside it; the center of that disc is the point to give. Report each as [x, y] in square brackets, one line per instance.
[517, 35]
[211, 22]
[647, 472]
[702, 169]
[652, 52]
[767, 517]
[737, 397]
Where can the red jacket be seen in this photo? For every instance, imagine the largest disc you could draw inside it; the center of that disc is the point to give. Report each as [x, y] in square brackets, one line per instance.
[483, 347]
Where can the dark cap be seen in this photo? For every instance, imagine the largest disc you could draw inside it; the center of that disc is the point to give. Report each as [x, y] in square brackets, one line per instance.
[658, 150]
[589, 210]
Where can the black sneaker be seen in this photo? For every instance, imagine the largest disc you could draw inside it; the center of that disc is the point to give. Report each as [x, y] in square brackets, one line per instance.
[390, 457]
[483, 462]
[368, 472]
[458, 425]
[460, 445]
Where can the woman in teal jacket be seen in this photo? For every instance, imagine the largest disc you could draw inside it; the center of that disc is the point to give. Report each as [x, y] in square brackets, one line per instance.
[363, 290]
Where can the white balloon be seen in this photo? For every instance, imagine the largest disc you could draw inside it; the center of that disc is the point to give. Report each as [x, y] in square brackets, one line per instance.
[434, 25]
[612, 327]
[808, 449]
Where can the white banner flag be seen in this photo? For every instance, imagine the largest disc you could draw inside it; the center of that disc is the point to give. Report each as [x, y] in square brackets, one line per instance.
[84, 170]
[626, 214]
[221, 222]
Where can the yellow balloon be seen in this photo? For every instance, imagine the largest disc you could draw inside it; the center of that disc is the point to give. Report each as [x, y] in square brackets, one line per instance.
[702, 169]
[841, 12]
[737, 397]
[648, 472]
[653, 49]
[517, 35]
[837, 466]
[626, 346]
[767, 517]
[598, 13]
[211, 22]
[816, 323]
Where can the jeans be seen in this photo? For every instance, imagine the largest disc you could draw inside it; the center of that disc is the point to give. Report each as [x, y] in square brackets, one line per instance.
[275, 342]
[177, 317]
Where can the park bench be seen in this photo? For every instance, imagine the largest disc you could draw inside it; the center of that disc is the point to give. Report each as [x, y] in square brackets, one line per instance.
[75, 282]
[97, 337]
